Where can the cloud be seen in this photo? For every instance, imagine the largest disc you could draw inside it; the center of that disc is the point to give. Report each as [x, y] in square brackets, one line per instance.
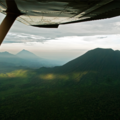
[95, 37]
[23, 38]
[21, 33]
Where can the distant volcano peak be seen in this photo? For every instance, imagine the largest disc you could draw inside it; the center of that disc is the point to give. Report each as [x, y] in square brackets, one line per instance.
[26, 54]
[24, 50]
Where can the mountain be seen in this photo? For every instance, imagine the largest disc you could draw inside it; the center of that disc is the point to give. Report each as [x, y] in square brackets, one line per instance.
[97, 69]
[35, 60]
[10, 62]
[7, 58]
[96, 60]
[30, 57]
[97, 65]
[23, 59]
[26, 55]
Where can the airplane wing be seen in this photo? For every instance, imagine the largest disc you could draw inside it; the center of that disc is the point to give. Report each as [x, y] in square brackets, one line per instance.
[52, 13]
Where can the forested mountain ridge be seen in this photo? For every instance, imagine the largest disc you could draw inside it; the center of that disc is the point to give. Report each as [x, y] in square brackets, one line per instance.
[97, 59]
[86, 88]
[94, 60]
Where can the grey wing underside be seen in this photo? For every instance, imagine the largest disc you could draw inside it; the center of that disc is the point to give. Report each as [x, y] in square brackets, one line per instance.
[51, 14]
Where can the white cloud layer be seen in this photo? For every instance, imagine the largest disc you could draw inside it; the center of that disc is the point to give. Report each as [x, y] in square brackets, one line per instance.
[21, 33]
[23, 38]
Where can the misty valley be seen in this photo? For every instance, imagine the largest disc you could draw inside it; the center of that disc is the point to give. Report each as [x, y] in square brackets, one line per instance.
[86, 88]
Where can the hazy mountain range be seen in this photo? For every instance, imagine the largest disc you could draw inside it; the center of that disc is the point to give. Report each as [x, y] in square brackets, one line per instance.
[96, 59]
[25, 59]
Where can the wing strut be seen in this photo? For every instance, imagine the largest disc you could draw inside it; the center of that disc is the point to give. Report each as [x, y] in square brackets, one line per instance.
[6, 25]
[12, 12]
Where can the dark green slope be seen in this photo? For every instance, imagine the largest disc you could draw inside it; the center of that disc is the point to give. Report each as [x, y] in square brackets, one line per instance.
[97, 60]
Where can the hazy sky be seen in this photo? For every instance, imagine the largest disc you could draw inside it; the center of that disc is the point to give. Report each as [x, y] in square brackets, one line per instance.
[66, 42]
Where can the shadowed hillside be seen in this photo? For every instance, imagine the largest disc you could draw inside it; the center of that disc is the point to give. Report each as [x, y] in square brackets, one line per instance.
[97, 59]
